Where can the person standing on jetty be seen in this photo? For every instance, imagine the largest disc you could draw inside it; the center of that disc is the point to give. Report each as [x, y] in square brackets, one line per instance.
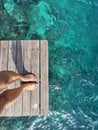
[8, 97]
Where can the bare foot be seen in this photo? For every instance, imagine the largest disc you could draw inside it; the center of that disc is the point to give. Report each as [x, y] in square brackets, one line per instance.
[30, 86]
[29, 77]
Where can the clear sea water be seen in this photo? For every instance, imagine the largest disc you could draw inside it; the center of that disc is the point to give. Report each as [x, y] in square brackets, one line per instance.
[71, 27]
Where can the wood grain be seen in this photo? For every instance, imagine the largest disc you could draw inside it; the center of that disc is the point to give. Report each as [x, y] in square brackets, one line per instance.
[44, 77]
[26, 59]
[19, 69]
[35, 70]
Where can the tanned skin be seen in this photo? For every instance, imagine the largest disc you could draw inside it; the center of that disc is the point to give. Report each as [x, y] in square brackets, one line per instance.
[8, 97]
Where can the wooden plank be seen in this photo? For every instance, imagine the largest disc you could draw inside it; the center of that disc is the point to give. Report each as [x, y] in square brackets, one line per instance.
[4, 59]
[19, 69]
[26, 59]
[35, 69]
[44, 77]
[11, 66]
[4, 55]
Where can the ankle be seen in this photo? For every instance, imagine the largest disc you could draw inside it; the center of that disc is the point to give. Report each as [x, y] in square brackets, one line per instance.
[21, 78]
[23, 87]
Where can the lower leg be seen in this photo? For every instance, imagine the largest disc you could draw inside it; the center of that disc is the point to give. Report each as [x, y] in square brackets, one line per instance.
[9, 97]
[8, 77]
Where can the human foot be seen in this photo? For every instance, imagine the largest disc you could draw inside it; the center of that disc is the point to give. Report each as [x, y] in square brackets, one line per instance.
[30, 86]
[29, 77]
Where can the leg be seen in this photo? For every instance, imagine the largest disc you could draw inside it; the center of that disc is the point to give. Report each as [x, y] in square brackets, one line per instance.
[9, 97]
[7, 77]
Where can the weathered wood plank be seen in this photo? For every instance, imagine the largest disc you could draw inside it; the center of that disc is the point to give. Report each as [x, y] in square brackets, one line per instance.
[11, 66]
[35, 70]
[44, 77]
[4, 55]
[4, 59]
[27, 60]
[19, 69]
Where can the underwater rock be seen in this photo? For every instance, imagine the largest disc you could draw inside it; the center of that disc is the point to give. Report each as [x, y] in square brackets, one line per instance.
[14, 11]
[35, 36]
[20, 2]
[55, 32]
[17, 1]
[40, 19]
[37, 16]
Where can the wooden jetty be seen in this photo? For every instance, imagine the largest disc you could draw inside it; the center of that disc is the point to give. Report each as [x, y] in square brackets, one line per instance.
[23, 57]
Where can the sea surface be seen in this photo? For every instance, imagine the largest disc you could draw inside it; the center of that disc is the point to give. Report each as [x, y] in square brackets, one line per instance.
[71, 28]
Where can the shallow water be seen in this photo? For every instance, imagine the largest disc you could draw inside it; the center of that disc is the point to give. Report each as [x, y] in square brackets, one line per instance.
[71, 28]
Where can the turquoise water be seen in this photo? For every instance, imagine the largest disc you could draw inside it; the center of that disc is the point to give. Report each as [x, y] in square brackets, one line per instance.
[71, 27]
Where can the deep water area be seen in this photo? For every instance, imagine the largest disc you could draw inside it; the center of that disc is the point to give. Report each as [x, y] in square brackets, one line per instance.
[71, 28]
